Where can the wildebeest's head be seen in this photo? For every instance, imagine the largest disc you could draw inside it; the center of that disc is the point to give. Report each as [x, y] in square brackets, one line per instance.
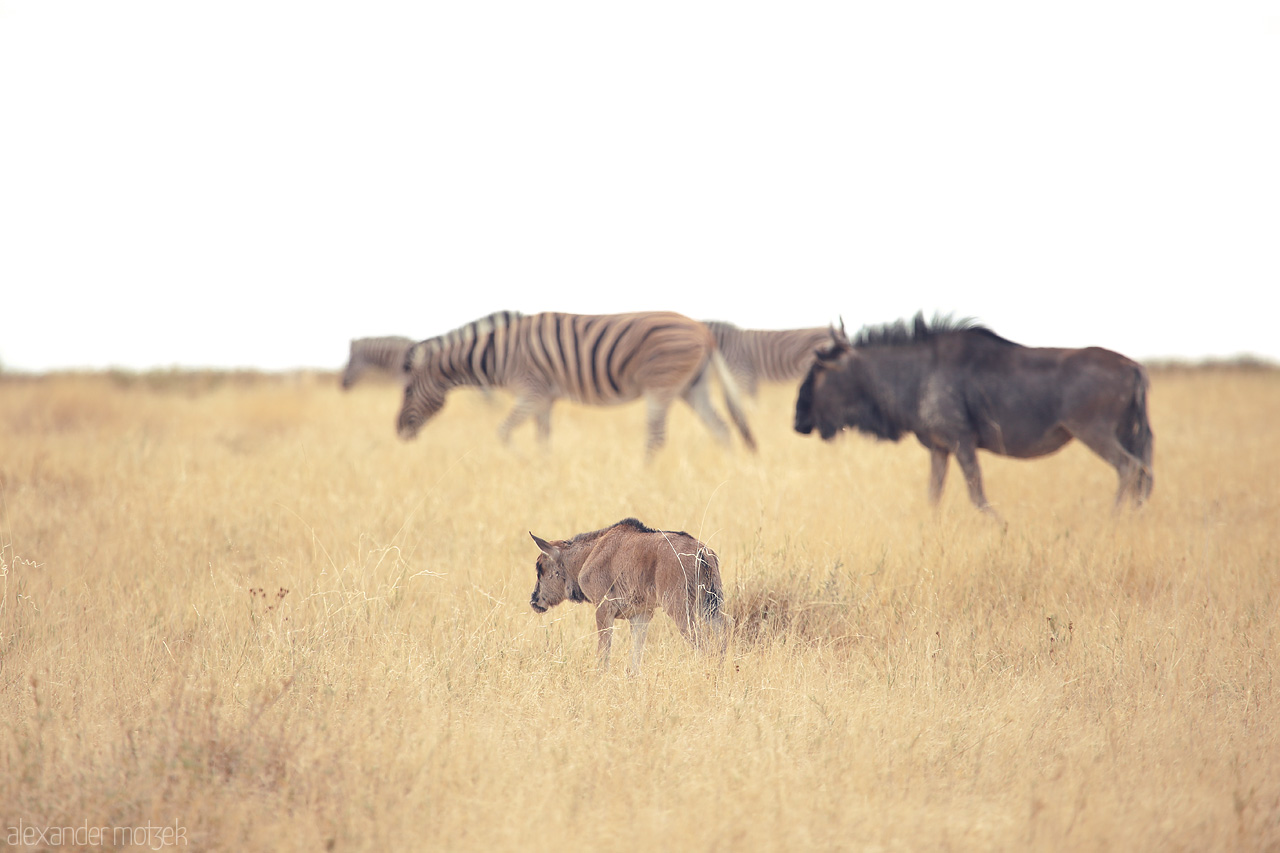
[554, 583]
[838, 392]
[424, 393]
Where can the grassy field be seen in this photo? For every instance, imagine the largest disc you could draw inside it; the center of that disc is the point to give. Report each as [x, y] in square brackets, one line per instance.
[240, 609]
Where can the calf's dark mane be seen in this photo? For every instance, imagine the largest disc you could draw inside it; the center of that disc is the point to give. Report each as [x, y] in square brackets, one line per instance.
[633, 523]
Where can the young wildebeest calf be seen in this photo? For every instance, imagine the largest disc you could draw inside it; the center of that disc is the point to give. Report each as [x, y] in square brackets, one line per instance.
[961, 388]
[627, 570]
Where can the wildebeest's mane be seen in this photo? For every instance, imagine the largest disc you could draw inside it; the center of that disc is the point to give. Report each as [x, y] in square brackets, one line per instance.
[918, 330]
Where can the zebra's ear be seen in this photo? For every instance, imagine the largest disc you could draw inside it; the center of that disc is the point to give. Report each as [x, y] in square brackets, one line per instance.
[415, 358]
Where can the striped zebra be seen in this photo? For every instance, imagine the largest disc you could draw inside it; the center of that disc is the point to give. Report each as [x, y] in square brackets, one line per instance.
[381, 355]
[597, 360]
[763, 354]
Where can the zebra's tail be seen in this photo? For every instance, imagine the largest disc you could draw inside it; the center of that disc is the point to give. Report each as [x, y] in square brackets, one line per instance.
[732, 397]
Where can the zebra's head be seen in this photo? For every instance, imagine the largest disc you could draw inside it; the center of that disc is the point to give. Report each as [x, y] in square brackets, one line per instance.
[424, 392]
[355, 366]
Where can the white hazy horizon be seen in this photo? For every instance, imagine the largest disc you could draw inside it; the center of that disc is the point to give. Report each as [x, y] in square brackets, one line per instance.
[253, 184]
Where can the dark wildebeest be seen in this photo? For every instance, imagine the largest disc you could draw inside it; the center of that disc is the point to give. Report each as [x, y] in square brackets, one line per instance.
[960, 387]
[627, 570]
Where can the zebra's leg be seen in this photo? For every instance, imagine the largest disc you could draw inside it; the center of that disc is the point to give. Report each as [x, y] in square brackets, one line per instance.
[542, 420]
[698, 396]
[658, 407]
[524, 407]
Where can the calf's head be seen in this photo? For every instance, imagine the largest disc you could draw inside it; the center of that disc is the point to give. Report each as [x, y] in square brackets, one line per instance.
[554, 582]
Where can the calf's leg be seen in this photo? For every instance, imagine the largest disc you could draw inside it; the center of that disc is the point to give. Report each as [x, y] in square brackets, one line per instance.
[639, 627]
[605, 615]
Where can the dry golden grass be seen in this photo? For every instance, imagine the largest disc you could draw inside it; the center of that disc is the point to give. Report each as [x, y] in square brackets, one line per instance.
[242, 607]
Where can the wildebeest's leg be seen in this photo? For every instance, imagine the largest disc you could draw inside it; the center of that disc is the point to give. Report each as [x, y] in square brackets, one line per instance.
[1129, 468]
[938, 459]
[639, 627]
[605, 614]
[967, 456]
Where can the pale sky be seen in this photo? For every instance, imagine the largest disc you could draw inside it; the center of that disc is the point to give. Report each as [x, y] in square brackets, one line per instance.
[249, 183]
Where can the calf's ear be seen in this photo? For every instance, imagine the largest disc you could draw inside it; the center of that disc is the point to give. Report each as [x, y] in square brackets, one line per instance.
[545, 546]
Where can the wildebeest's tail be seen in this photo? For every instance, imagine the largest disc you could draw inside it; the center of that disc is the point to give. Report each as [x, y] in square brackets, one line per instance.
[1136, 436]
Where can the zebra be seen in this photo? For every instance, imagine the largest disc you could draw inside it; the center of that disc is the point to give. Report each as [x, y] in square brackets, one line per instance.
[782, 355]
[601, 359]
[383, 355]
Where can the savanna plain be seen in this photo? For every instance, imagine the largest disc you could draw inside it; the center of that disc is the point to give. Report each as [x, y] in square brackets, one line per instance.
[239, 606]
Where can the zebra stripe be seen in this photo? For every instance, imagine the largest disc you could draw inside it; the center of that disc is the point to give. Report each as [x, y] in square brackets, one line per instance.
[382, 355]
[597, 360]
[756, 355]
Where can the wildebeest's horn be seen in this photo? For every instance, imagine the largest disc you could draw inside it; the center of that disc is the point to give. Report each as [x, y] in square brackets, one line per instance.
[839, 343]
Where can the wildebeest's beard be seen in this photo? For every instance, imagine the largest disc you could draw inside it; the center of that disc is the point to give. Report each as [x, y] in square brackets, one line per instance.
[860, 409]
[866, 416]
[804, 403]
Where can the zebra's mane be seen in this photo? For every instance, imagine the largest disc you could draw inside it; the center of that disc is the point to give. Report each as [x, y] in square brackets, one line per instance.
[474, 329]
[900, 333]
[388, 340]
